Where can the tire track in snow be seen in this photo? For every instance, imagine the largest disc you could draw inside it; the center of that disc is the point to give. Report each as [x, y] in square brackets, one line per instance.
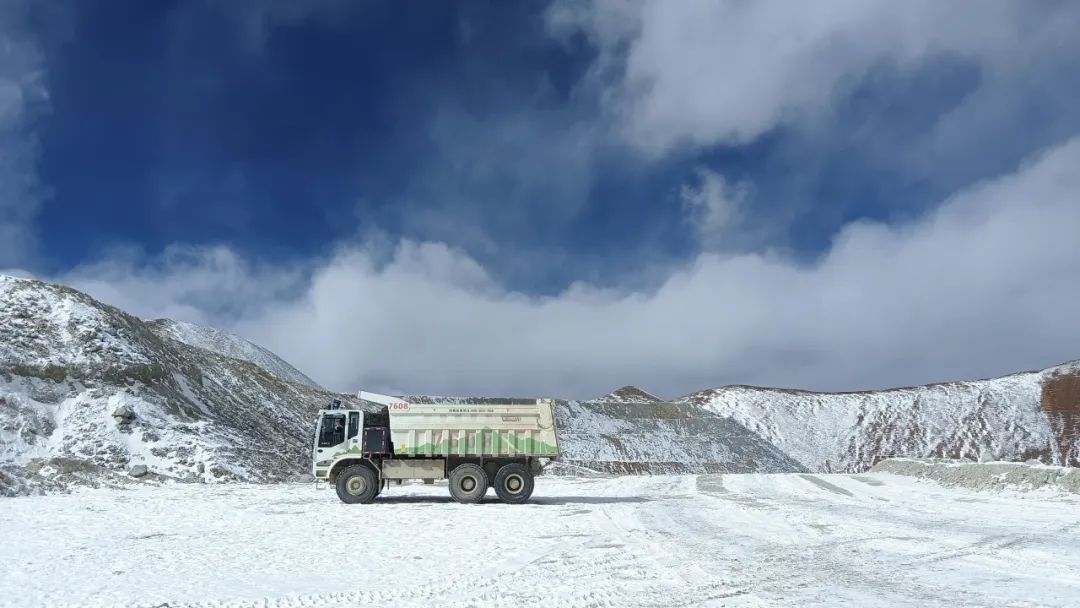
[812, 558]
[668, 542]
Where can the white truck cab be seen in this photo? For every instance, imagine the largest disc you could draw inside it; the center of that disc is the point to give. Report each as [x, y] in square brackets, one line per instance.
[337, 432]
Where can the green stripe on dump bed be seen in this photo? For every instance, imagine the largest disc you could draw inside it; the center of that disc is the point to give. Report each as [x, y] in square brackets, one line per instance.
[499, 446]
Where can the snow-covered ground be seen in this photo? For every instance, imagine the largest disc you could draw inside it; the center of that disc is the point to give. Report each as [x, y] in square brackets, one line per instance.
[731, 540]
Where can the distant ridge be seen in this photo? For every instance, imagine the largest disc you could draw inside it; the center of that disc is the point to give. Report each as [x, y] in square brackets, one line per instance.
[630, 394]
[1029, 415]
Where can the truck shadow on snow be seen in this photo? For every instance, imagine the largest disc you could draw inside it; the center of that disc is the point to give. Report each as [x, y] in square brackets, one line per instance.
[538, 501]
[587, 500]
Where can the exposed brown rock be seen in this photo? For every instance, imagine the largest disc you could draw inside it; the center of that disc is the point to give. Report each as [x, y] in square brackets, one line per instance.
[1061, 402]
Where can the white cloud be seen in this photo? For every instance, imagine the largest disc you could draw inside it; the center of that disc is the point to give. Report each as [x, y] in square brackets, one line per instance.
[197, 284]
[986, 284]
[715, 209]
[700, 72]
[22, 98]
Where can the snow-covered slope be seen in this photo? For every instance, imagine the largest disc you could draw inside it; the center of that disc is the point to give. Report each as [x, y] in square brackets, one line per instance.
[1032, 415]
[658, 437]
[229, 345]
[90, 394]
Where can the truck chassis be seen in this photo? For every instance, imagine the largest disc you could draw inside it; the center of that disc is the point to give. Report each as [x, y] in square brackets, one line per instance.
[361, 480]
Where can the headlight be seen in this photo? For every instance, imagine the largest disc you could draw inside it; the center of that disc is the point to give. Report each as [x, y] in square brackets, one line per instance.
[323, 463]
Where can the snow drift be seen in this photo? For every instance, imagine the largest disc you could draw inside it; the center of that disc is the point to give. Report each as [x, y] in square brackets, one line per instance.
[985, 475]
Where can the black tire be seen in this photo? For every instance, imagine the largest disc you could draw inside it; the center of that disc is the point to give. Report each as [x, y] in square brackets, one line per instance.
[514, 483]
[357, 484]
[468, 483]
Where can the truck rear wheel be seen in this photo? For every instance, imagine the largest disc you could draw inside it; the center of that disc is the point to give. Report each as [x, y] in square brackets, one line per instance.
[468, 483]
[514, 483]
[357, 484]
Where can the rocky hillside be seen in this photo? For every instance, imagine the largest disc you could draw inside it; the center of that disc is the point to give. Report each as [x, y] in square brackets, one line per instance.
[229, 345]
[652, 436]
[1031, 415]
[90, 394]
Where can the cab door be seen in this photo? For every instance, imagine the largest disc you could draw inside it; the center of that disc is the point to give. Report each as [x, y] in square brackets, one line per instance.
[330, 437]
[353, 436]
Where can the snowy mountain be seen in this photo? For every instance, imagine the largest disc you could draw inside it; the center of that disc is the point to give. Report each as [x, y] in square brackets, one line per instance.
[229, 345]
[92, 395]
[1031, 415]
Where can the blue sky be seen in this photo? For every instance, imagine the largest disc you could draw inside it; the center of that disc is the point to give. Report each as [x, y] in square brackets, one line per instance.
[177, 122]
[543, 162]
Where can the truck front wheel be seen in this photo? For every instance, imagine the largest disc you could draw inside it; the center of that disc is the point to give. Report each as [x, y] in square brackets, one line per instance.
[357, 484]
[468, 483]
[514, 483]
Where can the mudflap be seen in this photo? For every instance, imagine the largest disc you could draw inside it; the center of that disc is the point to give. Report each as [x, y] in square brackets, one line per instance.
[537, 465]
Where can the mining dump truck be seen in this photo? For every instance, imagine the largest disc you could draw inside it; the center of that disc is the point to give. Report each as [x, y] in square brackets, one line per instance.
[473, 446]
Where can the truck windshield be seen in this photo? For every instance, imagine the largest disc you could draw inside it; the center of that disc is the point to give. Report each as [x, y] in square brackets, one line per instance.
[332, 430]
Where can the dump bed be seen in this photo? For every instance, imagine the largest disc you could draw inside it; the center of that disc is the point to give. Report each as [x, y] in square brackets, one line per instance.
[521, 428]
